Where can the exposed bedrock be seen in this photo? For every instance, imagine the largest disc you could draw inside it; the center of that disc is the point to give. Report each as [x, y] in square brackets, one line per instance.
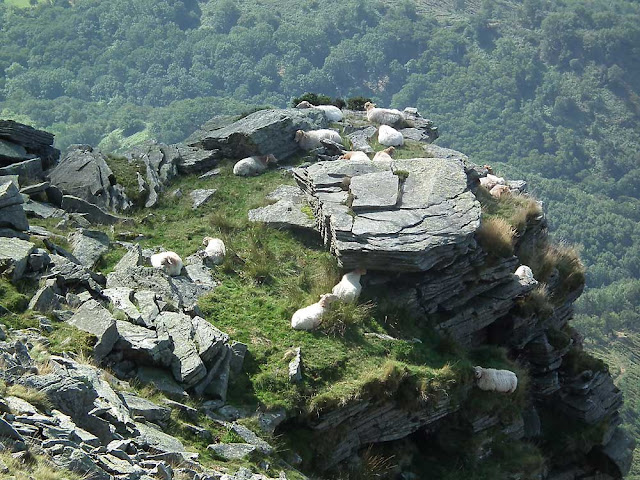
[399, 216]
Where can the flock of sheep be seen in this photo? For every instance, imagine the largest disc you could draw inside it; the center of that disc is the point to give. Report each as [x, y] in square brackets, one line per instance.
[349, 288]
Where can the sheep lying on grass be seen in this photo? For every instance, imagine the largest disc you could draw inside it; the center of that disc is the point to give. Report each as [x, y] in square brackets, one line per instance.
[214, 250]
[499, 190]
[349, 288]
[311, 139]
[389, 136]
[252, 166]
[384, 154]
[491, 181]
[494, 380]
[333, 113]
[169, 262]
[308, 318]
[354, 155]
[383, 116]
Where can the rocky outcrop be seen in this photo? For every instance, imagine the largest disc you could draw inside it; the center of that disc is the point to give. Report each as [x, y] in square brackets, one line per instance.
[19, 142]
[260, 133]
[405, 215]
[12, 213]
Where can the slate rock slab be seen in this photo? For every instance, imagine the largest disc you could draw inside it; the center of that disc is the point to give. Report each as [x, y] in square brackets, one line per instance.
[93, 318]
[433, 219]
[92, 212]
[232, 451]
[89, 246]
[14, 256]
[201, 196]
[261, 133]
[27, 170]
[285, 213]
[196, 160]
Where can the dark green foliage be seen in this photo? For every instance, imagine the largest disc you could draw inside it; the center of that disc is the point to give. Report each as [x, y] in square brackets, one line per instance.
[313, 99]
[357, 103]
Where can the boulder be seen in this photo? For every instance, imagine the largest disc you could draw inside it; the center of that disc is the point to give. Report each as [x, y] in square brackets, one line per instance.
[142, 345]
[46, 298]
[92, 212]
[35, 142]
[195, 160]
[27, 171]
[93, 318]
[11, 211]
[121, 300]
[35, 209]
[287, 212]
[295, 367]
[201, 196]
[360, 139]
[232, 451]
[162, 381]
[84, 173]
[14, 256]
[157, 440]
[12, 152]
[89, 246]
[143, 407]
[423, 217]
[160, 163]
[261, 133]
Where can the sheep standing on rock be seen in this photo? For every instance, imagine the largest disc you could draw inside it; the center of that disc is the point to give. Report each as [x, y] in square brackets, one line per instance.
[214, 250]
[389, 136]
[251, 166]
[169, 262]
[354, 155]
[333, 113]
[311, 139]
[349, 288]
[308, 318]
[383, 116]
[384, 155]
[493, 380]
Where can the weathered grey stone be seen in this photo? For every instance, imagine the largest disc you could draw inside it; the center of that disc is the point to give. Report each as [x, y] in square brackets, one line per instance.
[252, 439]
[436, 151]
[232, 451]
[69, 273]
[201, 196]
[83, 173]
[10, 178]
[295, 367]
[162, 381]
[619, 451]
[18, 406]
[286, 213]
[186, 365]
[142, 345]
[11, 233]
[27, 170]
[92, 212]
[195, 160]
[44, 324]
[433, 222]
[12, 152]
[93, 318]
[14, 217]
[133, 258]
[157, 440]
[121, 300]
[78, 461]
[6, 430]
[35, 142]
[217, 378]
[35, 189]
[35, 209]
[269, 421]
[14, 257]
[46, 298]
[238, 352]
[147, 306]
[39, 260]
[146, 278]
[149, 410]
[360, 139]
[374, 191]
[208, 339]
[262, 133]
[210, 173]
[88, 246]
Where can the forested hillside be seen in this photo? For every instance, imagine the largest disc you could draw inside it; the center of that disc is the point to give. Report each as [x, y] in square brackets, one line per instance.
[543, 90]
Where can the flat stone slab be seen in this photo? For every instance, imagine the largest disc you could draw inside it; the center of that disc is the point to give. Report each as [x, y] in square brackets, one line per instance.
[88, 246]
[201, 196]
[232, 451]
[93, 318]
[418, 217]
[42, 210]
[285, 213]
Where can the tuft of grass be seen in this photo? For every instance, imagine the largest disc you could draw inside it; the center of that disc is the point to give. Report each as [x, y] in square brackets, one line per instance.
[126, 172]
[66, 338]
[11, 298]
[342, 315]
[34, 397]
[37, 467]
[577, 361]
[496, 236]
[537, 302]
[517, 210]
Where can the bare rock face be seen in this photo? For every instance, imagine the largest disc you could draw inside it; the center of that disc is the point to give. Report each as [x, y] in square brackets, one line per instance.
[11, 210]
[22, 142]
[84, 173]
[399, 216]
[261, 133]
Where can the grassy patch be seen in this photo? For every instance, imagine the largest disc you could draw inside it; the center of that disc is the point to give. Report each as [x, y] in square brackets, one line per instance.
[577, 361]
[126, 172]
[34, 397]
[496, 236]
[108, 260]
[67, 338]
[36, 468]
[11, 298]
[517, 210]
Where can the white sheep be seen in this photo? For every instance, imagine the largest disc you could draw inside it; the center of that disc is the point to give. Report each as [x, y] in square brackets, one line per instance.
[169, 262]
[494, 380]
[499, 190]
[354, 155]
[525, 273]
[384, 155]
[383, 116]
[254, 165]
[389, 136]
[333, 113]
[491, 181]
[349, 288]
[308, 318]
[214, 250]
[311, 139]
